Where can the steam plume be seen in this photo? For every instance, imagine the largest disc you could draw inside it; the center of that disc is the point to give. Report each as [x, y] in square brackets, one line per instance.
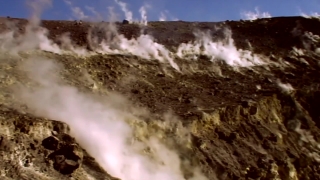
[102, 125]
[249, 15]
[127, 12]
[226, 51]
[98, 125]
[143, 13]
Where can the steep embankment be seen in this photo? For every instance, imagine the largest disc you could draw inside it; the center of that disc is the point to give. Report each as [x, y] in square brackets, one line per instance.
[234, 123]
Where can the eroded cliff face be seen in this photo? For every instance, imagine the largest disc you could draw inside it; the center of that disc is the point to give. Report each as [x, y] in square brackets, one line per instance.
[275, 137]
[144, 118]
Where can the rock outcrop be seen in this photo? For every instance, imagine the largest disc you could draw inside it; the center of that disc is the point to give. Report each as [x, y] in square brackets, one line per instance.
[67, 156]
[244, 123]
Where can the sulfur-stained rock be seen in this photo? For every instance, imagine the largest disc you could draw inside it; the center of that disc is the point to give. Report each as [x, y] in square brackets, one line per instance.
[237, 131]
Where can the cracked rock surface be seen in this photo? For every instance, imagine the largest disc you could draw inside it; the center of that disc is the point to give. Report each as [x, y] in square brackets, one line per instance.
[243, 124]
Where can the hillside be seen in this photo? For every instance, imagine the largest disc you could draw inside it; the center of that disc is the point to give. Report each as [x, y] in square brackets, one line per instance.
[93, 104]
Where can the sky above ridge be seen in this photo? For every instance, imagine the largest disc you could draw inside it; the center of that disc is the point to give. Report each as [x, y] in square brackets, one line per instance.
[186, 10]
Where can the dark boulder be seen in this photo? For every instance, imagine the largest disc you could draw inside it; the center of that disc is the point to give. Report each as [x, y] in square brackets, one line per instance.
[67, 159]
[67, 155]
[51, 143]
[125, 21]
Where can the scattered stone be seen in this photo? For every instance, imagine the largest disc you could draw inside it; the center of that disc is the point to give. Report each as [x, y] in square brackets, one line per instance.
[135, 91]
[5, 144]
[51, 143]
[253, 110]
[245, 103]
[67, 159]
[188, 100]
[54, 133]
[204, 94]
[253, 173]
[32, 146]
[66, 138]
[67, 155]
[293, 124]
[233, 136]
[161, 75]
[267, 80]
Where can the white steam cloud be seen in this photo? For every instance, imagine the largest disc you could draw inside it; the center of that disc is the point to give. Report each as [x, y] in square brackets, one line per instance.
[129, 15]
[98, 125]
[310, 15]
[68, 2]
[77, 12]
[143, 13]
[36, 7]
[36, 37]
[97, 15]
[249, 15]
[162, 17]
[144, 46]
[165, 15]
[102, 124]
[225, 51]
[125, 10]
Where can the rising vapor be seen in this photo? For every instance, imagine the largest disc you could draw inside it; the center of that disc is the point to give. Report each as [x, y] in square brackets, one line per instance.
[101, 124]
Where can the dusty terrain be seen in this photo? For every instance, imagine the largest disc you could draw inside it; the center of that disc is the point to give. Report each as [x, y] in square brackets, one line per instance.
[243, 123]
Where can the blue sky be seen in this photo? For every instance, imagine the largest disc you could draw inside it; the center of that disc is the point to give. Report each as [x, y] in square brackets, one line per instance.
[187, 10]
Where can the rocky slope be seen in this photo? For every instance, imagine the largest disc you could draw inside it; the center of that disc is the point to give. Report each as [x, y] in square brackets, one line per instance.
[243, 123]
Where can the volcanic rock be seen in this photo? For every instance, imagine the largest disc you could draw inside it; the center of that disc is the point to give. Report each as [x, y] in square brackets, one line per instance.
[237, 131]
[67, 159]
[125, 21]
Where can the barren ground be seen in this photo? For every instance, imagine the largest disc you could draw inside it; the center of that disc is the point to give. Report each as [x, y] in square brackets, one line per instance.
[243, 124]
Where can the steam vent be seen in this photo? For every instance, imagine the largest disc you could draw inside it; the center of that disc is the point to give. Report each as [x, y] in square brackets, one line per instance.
[171, 100]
